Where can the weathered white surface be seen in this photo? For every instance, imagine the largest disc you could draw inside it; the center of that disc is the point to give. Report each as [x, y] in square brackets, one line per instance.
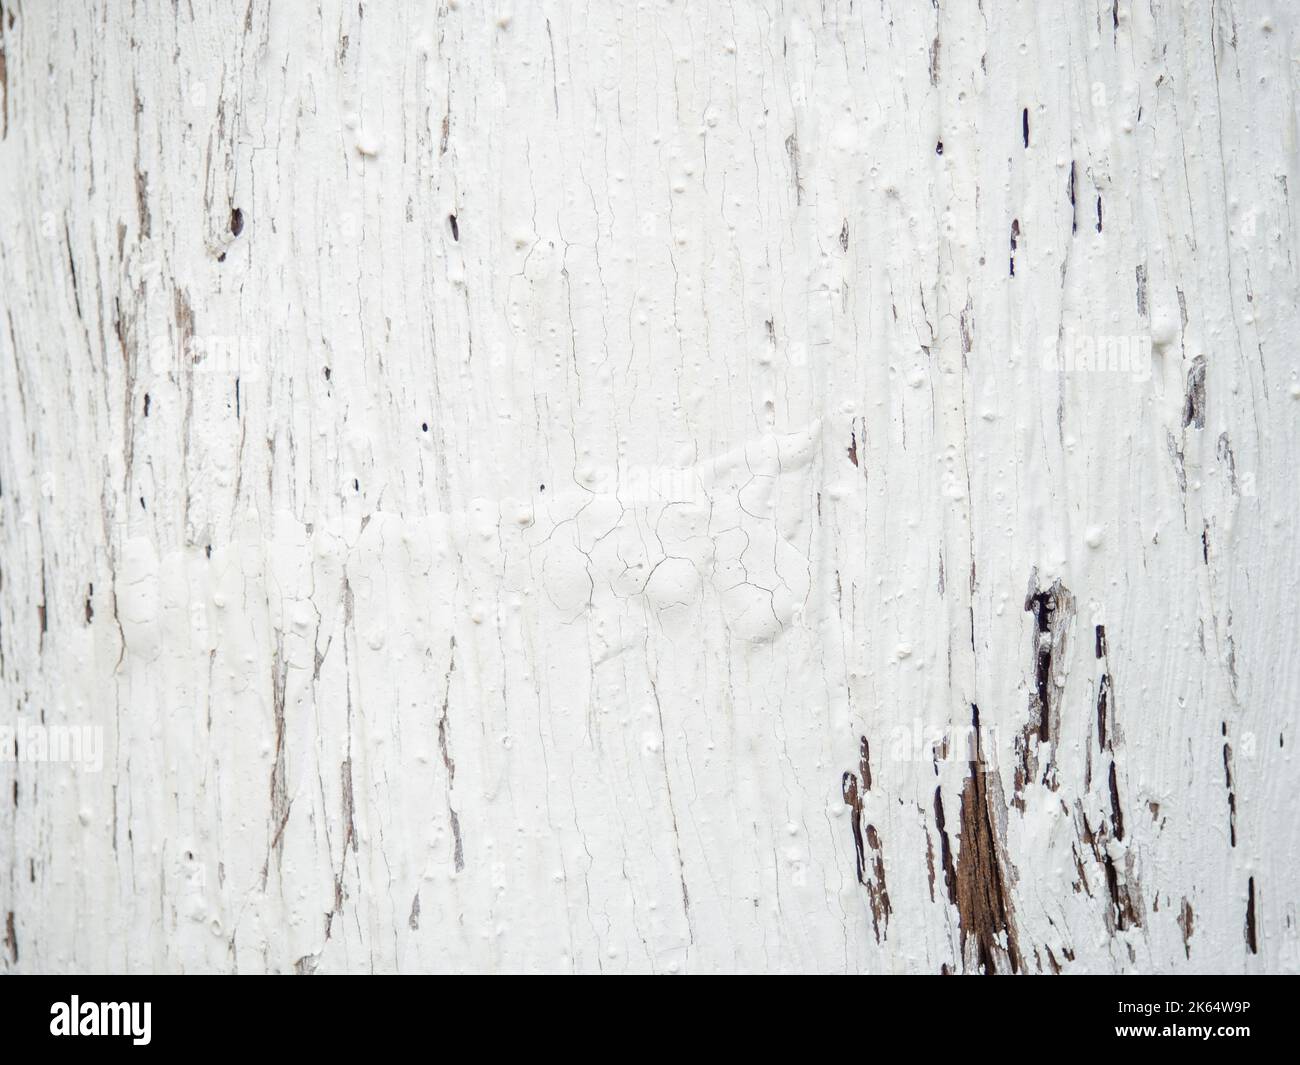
[372, 698]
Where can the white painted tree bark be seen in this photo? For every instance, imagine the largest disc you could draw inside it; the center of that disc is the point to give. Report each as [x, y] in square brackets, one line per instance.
[650, 486]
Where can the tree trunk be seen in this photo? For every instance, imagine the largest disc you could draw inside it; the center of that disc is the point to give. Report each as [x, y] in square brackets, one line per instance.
[649, 487]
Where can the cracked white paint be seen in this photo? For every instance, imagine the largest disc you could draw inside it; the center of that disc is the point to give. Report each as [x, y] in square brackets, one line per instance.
[545, 487]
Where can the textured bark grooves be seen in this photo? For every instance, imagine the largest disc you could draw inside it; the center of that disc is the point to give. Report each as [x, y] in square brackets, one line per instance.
[546, 487]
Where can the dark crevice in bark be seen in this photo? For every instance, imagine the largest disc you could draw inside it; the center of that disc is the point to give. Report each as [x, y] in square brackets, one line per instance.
[854, 787]
[1125, 909]
[1232, 794]
[1251, 941]
[877, 892]
[1053, 611]
[1074, 207]
[1186, 924]
[1116, 898]
[1116, 815]
[945, 847]
[1103, 707]
[853, 800]
[978, 883]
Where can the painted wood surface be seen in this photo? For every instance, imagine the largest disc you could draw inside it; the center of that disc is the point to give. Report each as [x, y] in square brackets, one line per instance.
[645, 486]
